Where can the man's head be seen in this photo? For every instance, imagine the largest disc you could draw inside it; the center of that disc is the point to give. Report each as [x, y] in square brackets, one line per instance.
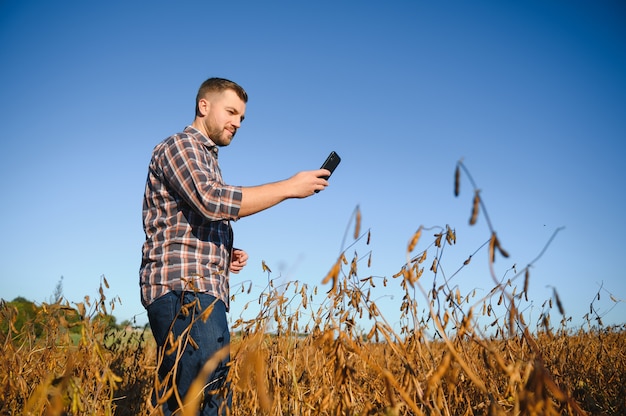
[220, 109]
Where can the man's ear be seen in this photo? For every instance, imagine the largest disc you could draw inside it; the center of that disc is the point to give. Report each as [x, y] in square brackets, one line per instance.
[204, 106]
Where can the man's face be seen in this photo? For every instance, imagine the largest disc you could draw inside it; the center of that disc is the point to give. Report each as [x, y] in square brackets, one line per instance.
[224, 113]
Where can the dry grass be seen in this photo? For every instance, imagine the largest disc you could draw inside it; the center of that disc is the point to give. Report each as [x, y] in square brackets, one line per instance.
[44, 370]
[318, 360]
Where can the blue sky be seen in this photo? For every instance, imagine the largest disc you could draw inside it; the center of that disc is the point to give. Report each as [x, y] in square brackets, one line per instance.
[531, 95]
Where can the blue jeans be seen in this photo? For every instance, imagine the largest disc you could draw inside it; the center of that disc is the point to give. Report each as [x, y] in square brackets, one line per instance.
[166, 314]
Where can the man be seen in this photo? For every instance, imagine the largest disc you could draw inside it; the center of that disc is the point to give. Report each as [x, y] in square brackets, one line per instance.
[188, 252]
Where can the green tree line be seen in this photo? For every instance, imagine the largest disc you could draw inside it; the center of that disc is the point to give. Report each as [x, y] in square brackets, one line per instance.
[25, 312]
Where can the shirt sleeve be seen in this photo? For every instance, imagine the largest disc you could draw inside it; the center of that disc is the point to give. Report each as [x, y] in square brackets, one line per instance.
[193, 173]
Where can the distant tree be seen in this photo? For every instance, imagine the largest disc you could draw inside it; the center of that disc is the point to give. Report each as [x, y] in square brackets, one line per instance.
[26, 312]
[109, 321]
[58, 292]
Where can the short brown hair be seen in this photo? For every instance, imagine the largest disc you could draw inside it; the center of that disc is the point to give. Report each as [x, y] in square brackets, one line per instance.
[219, 85]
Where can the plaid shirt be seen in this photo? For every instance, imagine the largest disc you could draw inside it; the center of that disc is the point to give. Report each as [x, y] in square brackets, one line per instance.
[187, 210]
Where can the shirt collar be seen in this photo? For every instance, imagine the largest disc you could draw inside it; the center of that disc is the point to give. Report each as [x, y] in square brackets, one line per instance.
[197, 134]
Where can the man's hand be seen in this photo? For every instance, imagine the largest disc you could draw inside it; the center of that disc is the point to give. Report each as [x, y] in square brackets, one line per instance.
[306, 183]
[238, 260]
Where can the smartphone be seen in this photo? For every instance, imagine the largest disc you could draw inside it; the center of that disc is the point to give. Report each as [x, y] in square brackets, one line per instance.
[331, 163]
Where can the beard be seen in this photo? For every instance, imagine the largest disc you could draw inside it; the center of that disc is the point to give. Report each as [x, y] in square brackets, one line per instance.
[220, 136]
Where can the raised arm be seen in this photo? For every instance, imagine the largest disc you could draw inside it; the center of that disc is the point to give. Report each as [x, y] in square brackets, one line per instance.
[301, 185]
